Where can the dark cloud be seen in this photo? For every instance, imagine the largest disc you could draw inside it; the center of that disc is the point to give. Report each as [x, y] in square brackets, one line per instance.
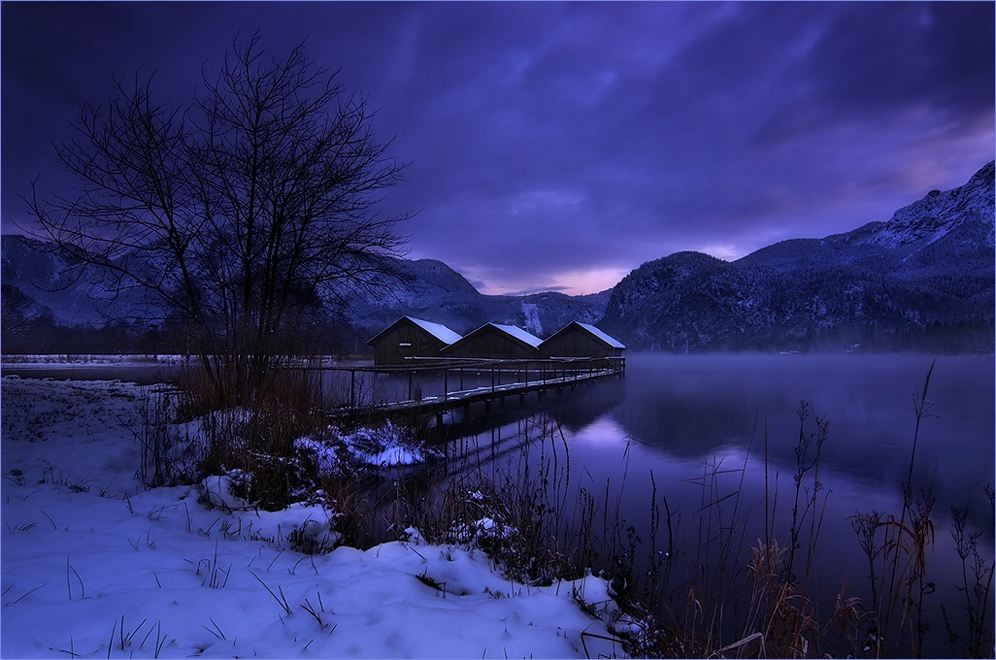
[938, 55]
[558, 143]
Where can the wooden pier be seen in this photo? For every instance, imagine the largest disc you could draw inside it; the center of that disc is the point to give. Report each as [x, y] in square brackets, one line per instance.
[433, 386]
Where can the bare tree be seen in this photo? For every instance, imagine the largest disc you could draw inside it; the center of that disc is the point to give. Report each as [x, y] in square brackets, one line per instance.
[240, 214]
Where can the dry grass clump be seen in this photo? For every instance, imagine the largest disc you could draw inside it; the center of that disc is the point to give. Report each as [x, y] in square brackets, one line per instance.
[189, 433]
[257, 438]
[515, 511]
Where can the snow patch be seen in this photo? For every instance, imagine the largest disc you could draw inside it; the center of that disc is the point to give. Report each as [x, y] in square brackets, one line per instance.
[220, 491]
[531, 312]
[385, 446]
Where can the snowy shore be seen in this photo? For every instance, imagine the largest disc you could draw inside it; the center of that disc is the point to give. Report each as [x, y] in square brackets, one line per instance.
[96, 565]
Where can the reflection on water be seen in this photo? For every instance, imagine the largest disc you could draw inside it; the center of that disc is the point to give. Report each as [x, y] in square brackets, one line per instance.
[694, 406]
[572, 409]
[687, 418]
[603, 432]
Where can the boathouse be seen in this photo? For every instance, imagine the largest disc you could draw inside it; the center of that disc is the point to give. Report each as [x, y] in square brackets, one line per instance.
[581, 340]
[496, 342]
[409, 337]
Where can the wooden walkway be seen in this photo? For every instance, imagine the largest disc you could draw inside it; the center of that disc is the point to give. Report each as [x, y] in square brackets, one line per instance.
[501, 379]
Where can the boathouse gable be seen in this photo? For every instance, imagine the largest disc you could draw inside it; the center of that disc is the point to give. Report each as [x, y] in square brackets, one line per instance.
[581, 340]
[409, 337]
[496, 342]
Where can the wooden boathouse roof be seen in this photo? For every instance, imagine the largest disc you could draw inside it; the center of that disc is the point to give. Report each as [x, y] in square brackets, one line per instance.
[519, 334]
[437, 330]
[591, 330]
[578, 339]
[493, 340]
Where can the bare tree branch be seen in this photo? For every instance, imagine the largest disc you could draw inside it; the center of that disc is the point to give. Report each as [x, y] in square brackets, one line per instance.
[241, 213]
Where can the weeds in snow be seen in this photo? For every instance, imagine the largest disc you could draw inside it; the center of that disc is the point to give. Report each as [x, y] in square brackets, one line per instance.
[69, 583]
[214, 576]
[22, 597]
[431, 582]
[124, 639]
[281, 600]
[316, 613]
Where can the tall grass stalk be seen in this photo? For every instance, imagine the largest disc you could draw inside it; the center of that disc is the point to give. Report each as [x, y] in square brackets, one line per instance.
[976, 586]
[904, 553]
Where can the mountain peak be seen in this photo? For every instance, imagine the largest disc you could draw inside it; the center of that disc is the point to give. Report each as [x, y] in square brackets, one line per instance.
[984, 176]
[967, 208]
[922, 279]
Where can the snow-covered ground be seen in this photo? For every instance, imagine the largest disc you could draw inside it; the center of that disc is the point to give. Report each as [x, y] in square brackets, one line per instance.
[100, 359]
[95, 565]
[46, 359]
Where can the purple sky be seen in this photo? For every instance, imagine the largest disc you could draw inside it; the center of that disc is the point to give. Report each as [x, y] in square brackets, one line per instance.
[558, 146]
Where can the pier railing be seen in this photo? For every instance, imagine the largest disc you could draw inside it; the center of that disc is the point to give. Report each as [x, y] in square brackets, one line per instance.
[442, 383]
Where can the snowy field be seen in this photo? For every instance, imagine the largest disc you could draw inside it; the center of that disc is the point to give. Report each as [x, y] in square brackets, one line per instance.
[95, 565]
[41, 360]
[49, 359]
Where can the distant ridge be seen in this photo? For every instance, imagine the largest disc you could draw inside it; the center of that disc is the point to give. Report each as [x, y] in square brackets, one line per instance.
[432, 291]
[922, 280]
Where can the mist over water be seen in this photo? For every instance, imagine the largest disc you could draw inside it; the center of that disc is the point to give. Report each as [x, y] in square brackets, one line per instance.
[703, 425]
[697, 407]
[678, 415]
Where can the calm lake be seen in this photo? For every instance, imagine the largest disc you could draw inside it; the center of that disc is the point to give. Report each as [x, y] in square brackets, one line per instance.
[703, 424]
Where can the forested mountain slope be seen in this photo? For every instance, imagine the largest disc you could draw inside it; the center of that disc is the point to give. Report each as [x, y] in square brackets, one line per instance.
[923, 279]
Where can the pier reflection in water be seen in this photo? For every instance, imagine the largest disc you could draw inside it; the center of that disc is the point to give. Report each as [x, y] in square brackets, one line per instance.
[720, 434]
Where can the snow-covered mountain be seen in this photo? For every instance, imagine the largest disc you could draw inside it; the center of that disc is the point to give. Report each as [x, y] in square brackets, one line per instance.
[959, 220]
[51, 287]
[433, 291]
[924, 278]
[428, 289]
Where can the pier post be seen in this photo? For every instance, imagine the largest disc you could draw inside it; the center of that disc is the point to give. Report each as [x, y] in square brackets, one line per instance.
[352, 389]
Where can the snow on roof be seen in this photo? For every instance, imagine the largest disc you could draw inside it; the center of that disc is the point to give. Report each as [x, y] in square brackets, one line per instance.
[519, 334]
[601, 335]
[437, 330]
